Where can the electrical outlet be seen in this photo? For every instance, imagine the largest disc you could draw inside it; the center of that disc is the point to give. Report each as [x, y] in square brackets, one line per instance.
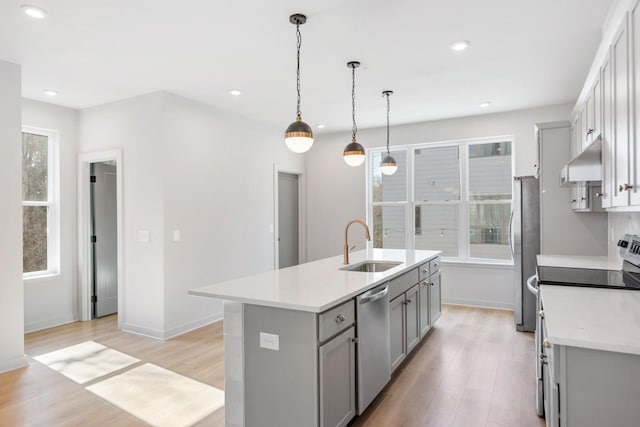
[176, 235]
[269, 341]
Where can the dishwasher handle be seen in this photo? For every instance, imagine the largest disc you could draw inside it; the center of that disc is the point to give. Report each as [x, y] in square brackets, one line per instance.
[372, 295]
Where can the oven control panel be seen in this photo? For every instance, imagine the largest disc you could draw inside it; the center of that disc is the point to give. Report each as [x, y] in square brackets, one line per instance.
[630, 248]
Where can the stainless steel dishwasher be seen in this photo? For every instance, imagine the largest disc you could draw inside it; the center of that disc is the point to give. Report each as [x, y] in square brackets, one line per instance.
[374, 359]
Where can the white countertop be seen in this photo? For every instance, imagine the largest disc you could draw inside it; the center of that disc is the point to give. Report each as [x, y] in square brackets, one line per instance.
[571, 261]
[314, 286]
[599, 319]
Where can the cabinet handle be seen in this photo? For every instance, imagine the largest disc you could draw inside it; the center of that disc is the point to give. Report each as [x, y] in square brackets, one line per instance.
[546, 343]
[574, 200]
[355, 340]
[627, 187]
[599, 194]
[583, 198]
[432, 283]
[408, 302]
[541, 314]
[590, 131]
[340, 318]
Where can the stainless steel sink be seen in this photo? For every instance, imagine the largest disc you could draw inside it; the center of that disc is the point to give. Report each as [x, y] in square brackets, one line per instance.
[371, 266]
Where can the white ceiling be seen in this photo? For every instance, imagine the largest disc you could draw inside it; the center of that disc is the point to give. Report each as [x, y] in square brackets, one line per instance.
[523, 54]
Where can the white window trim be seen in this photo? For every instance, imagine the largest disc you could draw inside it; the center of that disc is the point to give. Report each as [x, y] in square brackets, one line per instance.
[464, 247]
[53, 213]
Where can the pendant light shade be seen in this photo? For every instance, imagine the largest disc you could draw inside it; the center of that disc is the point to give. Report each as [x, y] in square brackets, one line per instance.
[388, 165]
[353, 153]
[298, 136]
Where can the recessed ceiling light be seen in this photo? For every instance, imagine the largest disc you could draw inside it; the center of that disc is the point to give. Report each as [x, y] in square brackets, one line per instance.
[460, 45]
[485, 104]
[320, 126]
[50, 92]
[235, 92]
[34, 11]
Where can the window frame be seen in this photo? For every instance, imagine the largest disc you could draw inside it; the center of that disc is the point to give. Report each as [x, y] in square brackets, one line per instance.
[52, 203]
[410, 204]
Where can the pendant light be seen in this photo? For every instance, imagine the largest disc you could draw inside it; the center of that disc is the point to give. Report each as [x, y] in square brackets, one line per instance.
[298, 135]
[354, 152]
[388, 165]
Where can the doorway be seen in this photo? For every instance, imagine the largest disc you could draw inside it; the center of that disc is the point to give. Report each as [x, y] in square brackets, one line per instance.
[288, 224]
[104, 238]
[98, 280]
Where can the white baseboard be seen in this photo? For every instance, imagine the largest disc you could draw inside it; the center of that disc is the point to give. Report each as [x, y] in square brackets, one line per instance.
[49, 323]
[478, 303]
[14, 363]
[144, 331]
[190, 326]
[174, 332]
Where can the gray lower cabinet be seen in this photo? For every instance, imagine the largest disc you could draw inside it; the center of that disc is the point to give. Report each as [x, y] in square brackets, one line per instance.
[425, 318]
[435, 296]
[405, 324]
[338, 380]
[412, 313]
[397, 320]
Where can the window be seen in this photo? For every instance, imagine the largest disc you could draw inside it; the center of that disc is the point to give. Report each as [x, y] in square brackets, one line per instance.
[40, 253]
[453, 197]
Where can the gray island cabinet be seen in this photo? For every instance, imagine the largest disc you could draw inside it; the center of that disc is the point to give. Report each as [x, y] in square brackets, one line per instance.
[291, 338]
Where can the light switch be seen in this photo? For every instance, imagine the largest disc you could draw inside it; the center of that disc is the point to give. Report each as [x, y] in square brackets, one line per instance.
[269, 341]
[144, 236]
[270, 228]
[176, 235]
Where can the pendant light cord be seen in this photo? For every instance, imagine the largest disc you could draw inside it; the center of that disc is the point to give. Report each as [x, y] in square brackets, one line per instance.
[299, 45]
[353, 103]
[388, 107]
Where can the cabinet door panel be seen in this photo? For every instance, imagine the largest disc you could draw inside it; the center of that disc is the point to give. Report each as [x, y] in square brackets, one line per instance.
[596, 95]
[425, 319]
[634, 152]
[435, 297]
[607, 133]
[413, 317]
[338, 380]
[397, 316]
[587, 123]
[620, 63]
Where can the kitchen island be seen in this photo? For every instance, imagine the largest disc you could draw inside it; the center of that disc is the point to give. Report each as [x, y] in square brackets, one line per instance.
[290, 336]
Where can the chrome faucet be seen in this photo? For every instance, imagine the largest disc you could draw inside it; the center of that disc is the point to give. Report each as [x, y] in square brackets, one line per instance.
[346, 237]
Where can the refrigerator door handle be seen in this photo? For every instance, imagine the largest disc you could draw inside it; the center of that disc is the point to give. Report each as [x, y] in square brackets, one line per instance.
[511, 248]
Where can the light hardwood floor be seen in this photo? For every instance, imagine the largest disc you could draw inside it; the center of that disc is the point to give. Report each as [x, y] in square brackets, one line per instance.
[473, 370]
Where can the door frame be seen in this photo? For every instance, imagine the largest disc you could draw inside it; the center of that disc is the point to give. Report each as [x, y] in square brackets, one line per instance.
[85, 266]
[302, 215]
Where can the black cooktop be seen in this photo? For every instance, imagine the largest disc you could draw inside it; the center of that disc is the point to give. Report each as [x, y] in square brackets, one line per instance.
[627, 278]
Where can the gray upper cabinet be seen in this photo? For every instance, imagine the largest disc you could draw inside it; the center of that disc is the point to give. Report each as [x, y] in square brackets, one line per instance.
[620, 91]
[338, 380]
[611, 107]
[607, 132]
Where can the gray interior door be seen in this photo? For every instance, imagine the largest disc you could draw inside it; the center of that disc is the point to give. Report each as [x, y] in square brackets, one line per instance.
[287, 219]
[104, 228]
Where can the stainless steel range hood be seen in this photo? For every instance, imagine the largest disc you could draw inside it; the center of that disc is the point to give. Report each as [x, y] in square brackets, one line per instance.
[585, 167]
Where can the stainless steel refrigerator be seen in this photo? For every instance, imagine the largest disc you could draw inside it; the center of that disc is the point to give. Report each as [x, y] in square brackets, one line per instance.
[525, 246]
